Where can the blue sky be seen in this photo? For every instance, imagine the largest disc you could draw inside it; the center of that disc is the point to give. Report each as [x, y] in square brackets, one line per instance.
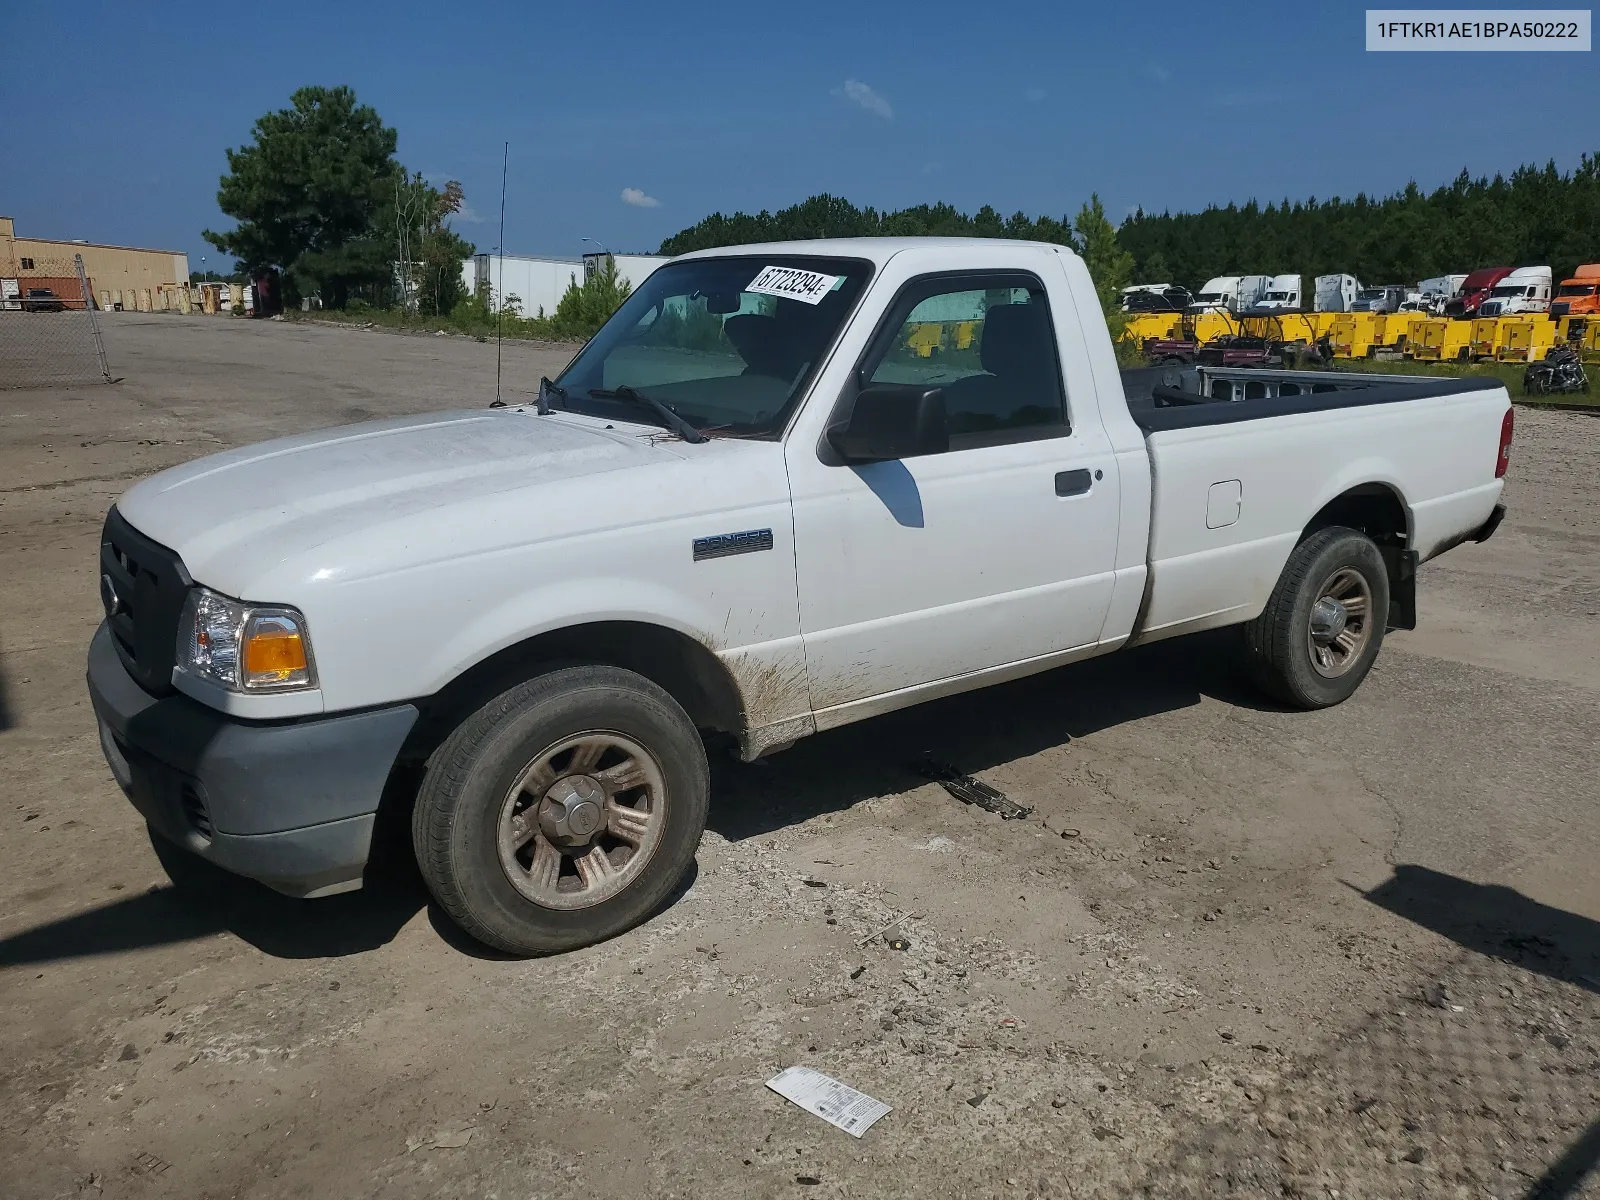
[115, 117]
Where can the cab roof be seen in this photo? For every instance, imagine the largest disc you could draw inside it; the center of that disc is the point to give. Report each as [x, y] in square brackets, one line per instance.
[877, 250]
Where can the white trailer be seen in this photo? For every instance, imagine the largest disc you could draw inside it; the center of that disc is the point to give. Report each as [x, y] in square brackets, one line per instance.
[537, 283]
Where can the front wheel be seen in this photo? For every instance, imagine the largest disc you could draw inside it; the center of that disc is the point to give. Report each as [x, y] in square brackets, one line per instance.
[1322, 627]
[563, 812]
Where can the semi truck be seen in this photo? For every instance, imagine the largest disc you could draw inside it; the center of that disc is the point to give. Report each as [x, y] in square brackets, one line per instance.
[1336, 293]
[1474, 290]
[1578, 296]
[1219, 293]
[1525, 290]
[518, 628]
[1282, 295]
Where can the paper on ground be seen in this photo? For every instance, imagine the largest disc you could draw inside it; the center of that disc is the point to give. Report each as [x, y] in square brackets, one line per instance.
[835, 1102]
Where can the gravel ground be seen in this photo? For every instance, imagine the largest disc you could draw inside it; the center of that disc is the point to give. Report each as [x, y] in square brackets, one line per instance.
[1236, 951]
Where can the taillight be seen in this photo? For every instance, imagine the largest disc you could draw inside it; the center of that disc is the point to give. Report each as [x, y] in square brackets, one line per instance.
[1504, 460]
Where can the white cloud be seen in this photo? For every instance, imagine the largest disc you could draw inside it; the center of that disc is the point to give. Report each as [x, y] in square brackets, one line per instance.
[857, 92]
[470, 215]
[1157, 72]
[1035, 94]
[638, 199]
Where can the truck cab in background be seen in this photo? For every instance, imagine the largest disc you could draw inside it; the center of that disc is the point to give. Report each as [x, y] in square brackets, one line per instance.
[1336, 293]
[1578, 296]
[1154, 298]
[1386, 298]
[1435, 293]
[1474, 290]
[1251, 289]
[1222, 293]
[1282, 295]
[1525, 290]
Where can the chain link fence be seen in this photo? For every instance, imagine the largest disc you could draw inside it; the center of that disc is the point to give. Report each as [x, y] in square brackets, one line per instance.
[49, 329]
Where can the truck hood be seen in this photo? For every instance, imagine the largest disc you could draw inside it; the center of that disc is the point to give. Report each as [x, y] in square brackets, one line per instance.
[267, 501]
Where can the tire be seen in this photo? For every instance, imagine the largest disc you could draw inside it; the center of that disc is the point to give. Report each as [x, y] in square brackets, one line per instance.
[1284, 650]
[512, 770]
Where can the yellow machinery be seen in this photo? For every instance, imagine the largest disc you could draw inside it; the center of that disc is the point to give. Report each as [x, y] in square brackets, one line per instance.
[1485, 337]
[1321, 323]
[1396, 331]
[963, 334]
[1439, 339]
[1582, 333]
[1525, 339]
[1144, 326]
[925, 338]
[1210, 325]
[1351, 334]
[1282, 327]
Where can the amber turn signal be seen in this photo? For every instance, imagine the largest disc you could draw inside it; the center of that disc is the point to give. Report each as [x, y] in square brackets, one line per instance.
[274, 653]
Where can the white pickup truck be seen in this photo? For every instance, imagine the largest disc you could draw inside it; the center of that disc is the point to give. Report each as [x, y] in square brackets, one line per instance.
[785, 488]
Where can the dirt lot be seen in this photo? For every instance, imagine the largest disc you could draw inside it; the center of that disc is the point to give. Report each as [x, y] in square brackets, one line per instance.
[1237, 951]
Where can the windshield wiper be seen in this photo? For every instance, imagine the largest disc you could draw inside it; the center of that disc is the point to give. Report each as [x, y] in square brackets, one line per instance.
[677, 424]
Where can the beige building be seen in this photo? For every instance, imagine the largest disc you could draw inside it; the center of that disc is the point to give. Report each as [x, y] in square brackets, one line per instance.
[118, 275]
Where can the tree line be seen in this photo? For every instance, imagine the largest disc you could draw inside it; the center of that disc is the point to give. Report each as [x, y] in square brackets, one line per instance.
[1535, 217]
[319, 194]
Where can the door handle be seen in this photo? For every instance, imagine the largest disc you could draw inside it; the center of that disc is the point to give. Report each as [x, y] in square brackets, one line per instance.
[1072, 483]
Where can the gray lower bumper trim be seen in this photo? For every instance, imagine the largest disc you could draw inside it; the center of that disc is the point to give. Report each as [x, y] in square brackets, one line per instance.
[318, 860]
[290, 803]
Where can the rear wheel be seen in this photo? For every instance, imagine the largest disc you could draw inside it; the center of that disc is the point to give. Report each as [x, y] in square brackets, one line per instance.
[1322, 627]
[564, 811]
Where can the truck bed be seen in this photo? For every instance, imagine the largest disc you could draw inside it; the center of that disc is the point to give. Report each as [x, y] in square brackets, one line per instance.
[1231, 478]
[1171, 397]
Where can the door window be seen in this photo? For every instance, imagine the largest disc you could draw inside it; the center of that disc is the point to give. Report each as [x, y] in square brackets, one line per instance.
[989, 343]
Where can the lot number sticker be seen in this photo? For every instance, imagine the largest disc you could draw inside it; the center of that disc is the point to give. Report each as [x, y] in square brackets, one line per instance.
[835, 1102]
[808, 287]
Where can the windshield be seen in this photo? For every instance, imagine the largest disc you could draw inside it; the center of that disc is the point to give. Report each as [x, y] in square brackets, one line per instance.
[1576, 289]
[1278, 295]
[1208, 296]
[727, 343]
[1370, 294]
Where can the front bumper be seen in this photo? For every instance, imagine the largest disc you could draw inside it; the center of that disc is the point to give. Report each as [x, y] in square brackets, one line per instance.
[289, 803]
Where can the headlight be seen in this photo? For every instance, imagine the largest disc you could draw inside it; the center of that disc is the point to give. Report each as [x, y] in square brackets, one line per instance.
[244, 647]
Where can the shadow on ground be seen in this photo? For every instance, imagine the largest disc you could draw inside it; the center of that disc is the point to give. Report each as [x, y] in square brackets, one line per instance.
[976, 731]
[827, 773]
[1480, 1077]
[204, 900]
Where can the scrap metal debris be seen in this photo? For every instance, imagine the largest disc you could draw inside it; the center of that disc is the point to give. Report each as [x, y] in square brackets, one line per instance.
[971, 791]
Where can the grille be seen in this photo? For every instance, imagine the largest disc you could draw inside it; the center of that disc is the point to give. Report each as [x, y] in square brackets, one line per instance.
[142, 588]
[195, 811]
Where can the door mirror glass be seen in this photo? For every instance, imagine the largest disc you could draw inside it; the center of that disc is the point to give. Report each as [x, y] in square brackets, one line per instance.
[893, 421]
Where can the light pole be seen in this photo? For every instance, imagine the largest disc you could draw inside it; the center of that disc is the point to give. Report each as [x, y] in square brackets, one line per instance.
[602, 249]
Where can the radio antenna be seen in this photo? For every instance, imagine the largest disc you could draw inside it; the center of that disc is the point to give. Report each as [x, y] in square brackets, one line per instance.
[500, 313]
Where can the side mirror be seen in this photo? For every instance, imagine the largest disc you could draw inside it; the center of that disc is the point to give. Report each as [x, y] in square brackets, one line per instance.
[891, 422]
